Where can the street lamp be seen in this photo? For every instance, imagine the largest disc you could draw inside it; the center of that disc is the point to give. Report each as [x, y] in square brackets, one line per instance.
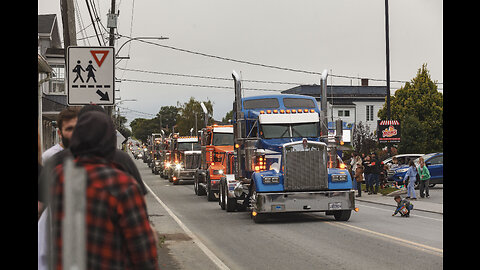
[132, 39]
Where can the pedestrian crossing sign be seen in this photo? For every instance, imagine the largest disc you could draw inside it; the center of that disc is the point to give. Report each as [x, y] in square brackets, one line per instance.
[90, 75]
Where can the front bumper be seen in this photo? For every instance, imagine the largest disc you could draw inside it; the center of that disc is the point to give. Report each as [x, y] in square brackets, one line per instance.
[188, 174]
[313, 201]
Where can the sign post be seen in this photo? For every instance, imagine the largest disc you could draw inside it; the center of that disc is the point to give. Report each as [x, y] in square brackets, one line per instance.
[90, 75]
[388, 131]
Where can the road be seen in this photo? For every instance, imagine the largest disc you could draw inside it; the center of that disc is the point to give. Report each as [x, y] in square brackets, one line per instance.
[210, 238]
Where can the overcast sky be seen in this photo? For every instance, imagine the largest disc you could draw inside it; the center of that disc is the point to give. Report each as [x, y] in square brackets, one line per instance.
[346, 37]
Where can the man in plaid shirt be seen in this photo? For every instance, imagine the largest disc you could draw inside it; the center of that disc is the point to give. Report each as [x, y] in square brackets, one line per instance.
[119, 235]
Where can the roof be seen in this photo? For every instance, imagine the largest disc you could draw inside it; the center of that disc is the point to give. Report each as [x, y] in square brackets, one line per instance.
[340, 91]
[45, 23]
[48, 27]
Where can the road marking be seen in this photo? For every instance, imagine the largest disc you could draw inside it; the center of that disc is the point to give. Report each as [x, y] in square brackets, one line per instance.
[362, 205]
[400, 240]
[196, 240]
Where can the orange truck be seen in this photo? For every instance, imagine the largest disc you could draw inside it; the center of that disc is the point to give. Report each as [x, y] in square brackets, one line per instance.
[216, 142]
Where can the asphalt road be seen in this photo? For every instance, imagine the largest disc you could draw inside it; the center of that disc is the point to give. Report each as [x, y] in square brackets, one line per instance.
[210, 238]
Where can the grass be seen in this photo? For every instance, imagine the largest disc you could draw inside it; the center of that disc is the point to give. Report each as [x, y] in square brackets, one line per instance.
[383, 191]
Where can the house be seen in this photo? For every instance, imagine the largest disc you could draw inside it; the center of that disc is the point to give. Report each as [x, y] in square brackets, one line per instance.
[51, 77]
[351, 104]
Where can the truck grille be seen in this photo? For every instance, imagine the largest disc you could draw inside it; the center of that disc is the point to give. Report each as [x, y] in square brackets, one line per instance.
[192, 161]
[305, 168]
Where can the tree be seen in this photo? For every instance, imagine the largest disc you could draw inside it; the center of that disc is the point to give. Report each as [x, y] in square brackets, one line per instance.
[419, 107]
[364, 141]
[186, 117]
[228, 117]
[169, 115]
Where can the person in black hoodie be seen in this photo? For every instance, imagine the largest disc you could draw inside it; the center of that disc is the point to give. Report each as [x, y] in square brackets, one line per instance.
[376, 169]
[367, 171]
[118, 233]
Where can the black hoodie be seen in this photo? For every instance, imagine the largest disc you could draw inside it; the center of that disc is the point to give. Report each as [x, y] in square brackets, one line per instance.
[94, 136]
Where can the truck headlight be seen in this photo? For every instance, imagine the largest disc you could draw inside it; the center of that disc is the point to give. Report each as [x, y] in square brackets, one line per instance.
[157, 163]
[339, 178]
[217, 171]
[178, 166]
[271, 180]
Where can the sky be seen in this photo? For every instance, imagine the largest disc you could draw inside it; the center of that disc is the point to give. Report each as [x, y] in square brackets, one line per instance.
[346, 37]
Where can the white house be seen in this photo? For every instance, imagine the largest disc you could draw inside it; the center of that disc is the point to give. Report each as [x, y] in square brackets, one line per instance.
[351, 104]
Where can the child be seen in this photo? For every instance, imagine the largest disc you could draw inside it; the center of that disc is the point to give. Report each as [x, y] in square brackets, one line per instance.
[403, 206]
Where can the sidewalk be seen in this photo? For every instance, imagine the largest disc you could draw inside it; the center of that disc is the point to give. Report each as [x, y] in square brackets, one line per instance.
[421, 204]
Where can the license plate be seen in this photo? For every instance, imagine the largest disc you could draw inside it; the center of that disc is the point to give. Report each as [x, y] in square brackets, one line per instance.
[334, 206]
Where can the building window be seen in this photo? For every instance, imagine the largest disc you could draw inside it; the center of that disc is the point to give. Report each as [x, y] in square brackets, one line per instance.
[345, 113]
[369, 112]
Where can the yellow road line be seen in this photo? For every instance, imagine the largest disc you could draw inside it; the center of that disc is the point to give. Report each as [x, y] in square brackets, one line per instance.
[436, 251]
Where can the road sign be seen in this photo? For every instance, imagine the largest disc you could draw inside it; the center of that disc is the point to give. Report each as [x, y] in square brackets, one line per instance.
[90, 75]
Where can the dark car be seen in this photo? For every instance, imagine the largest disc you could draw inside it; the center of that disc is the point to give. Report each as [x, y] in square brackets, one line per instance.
[434, 163]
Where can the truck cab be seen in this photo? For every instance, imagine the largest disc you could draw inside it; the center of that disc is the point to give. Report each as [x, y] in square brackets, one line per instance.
[283, 162]
[186, 156]
[216, 143]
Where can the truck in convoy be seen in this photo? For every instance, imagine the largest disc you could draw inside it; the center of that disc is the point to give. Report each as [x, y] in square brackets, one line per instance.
[283, 160]
[185, 155]
[216, 142]
[157, 151]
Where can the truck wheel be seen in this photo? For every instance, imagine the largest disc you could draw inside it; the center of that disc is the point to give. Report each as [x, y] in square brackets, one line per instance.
[342, 215]
[200, 190]
[210, 194]
[222, 196]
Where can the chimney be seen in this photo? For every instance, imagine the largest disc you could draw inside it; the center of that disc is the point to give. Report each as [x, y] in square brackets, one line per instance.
[364, 82]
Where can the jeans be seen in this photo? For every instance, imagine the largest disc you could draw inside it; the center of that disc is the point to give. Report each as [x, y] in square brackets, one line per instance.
[411, 189]
[368, 181]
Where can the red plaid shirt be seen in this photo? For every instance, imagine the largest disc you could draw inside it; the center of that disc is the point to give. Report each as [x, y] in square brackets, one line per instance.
[119, 235]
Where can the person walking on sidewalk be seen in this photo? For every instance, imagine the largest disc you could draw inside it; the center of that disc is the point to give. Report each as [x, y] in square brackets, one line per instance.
[411, 176]
[359, 175]
[424, 178]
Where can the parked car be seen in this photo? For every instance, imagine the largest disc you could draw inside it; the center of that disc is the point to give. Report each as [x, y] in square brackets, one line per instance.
[434, 163]
[402, 160]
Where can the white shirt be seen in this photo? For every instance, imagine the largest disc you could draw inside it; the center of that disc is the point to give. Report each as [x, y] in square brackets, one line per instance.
[51, 151]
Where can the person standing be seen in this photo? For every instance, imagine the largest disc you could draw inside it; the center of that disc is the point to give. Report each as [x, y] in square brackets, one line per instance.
[367, 171]
[67, 119]
[118, 233]
[375, 164]
[411, 175]
[359, 175]
[424, 178]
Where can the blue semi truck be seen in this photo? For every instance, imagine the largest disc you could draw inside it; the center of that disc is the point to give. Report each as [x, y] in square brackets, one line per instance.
[283, 160]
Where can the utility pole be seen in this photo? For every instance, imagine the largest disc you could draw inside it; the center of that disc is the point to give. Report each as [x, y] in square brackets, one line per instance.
[387, 39]
[68, 21]
[387, 45]
[112, 24]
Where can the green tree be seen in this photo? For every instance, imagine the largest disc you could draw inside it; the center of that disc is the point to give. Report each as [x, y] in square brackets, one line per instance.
[419, 107]
[169, 115]
[186, 117]
[228, 117]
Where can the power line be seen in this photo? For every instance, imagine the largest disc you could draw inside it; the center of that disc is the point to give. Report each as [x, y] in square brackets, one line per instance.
[258, 64]
[206, 77]
[197, 85]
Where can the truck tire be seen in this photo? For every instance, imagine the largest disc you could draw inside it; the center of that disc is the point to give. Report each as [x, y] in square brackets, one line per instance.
[222, 195]
[198, 189]
[230, 203]
[210, 194]
[342, 215]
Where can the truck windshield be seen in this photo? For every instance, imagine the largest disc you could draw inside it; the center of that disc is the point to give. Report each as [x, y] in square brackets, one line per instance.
[220, 139]
[271, 131]
[188, 146]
